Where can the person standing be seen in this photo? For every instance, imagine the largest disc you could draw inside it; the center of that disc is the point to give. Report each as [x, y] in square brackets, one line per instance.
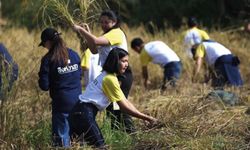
[159, 53]
[220, 60]
[193, 34]
[60, 73]
[113, 37]
[98, 95]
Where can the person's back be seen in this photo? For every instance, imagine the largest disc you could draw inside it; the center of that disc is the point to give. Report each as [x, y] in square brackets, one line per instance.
[214, 50]
[192, 36]
[9, 70]
[161, 54]
[64, 81]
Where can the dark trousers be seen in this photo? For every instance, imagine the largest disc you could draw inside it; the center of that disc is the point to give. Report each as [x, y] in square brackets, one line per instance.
[226, 72]
[121, 120]
[83, 124]
[172, 72]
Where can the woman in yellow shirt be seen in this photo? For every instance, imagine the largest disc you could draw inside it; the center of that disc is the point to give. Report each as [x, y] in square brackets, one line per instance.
[98, 95]
[113, 37]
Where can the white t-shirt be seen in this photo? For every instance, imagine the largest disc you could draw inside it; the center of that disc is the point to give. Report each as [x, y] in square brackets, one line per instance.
[211, 50]
[102, 91]
[160, 53]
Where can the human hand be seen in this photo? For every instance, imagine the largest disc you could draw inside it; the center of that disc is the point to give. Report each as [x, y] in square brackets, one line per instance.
[76, 27]
[85, 26]
[155, 123]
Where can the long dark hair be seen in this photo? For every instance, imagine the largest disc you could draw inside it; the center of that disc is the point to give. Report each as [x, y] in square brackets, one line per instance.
[112, 16]
[111, 64]
[59, 51]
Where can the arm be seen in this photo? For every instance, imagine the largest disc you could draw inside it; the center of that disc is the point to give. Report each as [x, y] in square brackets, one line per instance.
[44, 75]
[92, 40]
[145, 75]
[198, 64]
[130, 109]
[208, 73]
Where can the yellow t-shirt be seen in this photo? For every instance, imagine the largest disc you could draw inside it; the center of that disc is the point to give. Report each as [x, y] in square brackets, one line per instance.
[200, 51]
[102, 91]
[145, 58]
[111, 88]
[116, 38]
[85, 58]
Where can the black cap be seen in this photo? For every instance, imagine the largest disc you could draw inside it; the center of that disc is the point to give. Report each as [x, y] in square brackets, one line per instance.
[48, 34]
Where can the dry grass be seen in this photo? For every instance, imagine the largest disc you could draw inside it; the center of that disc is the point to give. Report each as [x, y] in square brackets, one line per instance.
[67, 12]
[192, 121]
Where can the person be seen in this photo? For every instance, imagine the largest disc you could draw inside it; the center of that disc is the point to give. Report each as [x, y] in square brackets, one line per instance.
[98, 95]
[113, 37]
[159, 53]
[220, 59]
[90, 67]
[89, 62]
[60, 73]
[9, 71]
[193, 33]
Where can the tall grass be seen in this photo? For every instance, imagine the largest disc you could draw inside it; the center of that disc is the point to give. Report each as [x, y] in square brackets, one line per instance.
[191, 120]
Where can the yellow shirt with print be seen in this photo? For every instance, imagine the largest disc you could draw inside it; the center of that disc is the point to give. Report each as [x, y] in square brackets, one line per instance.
[145, 58]
[111, 88]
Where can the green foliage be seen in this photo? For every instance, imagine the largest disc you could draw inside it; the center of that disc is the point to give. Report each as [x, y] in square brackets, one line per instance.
[163, 13]
[116, 139]
[22, 12]
[39, 135]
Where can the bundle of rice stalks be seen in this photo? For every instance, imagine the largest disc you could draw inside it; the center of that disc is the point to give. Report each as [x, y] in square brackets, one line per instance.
[54, 11]
[67, 12]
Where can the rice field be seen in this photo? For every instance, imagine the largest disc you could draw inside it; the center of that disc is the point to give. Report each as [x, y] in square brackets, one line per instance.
[192, 120]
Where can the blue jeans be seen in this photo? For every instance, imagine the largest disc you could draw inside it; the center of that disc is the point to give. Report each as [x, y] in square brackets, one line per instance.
[60, 129]
[226, 72]
[172, 72]
[83, 124]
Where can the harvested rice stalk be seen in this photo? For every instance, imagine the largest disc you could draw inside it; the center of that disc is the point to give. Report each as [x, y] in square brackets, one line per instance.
[57, 12]
[68, 12]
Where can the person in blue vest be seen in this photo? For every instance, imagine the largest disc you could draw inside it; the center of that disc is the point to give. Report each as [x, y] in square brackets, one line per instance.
[97, 97]
[219, 59]
[9, 71]
[60, 73]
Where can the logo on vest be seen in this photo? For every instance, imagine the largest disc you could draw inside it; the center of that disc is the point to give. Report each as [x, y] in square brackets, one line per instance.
[67, 69]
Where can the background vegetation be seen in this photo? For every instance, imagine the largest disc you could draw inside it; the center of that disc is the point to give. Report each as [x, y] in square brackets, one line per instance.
[162, 13]
[193, 121]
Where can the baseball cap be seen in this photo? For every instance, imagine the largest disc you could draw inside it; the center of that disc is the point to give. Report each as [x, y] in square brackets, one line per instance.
[48, 34]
